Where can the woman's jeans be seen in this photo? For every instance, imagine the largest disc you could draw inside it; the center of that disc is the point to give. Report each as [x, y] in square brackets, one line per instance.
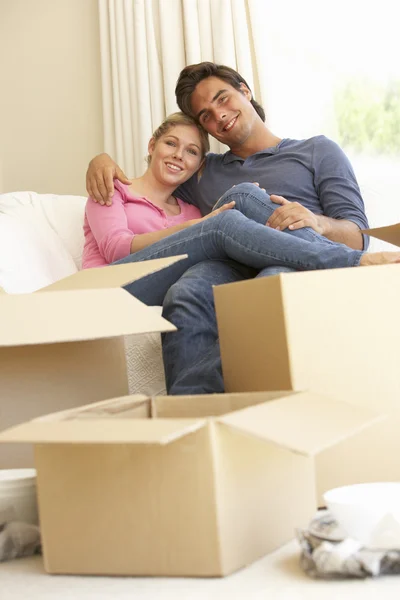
[238, 234]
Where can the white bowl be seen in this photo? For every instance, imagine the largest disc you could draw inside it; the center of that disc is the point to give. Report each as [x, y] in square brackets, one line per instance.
[18, 496]
[368, 512]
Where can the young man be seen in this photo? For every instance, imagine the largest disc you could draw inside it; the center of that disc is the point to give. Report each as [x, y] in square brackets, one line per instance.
[315, 182]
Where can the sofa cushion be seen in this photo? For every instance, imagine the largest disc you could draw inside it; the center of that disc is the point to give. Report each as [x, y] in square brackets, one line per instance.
[41, 239]
[29, 260]
[61, 214]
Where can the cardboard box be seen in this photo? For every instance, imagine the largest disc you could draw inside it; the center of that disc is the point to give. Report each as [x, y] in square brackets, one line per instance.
[333, 332]
[64, 347]
[185, 486]
[389, 233]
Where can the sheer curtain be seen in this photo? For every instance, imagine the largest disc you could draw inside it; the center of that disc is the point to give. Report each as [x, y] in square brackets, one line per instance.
[144, 46]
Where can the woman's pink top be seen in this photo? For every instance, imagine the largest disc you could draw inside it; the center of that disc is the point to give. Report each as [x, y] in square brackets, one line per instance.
[109, 230]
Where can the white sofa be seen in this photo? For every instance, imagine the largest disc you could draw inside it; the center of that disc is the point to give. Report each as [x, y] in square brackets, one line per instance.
[41, 241]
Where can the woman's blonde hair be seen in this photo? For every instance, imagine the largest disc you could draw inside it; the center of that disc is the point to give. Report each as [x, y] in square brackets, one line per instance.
[180, 118]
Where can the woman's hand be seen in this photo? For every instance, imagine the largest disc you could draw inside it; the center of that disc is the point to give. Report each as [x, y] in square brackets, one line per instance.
[100, 177]
[216, 212]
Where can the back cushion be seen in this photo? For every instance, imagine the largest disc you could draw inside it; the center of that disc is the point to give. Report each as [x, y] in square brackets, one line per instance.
[41, 239]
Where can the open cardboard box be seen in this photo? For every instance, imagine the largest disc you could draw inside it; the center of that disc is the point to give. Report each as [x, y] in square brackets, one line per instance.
[185, 486]
[334, 332]
[63, 346]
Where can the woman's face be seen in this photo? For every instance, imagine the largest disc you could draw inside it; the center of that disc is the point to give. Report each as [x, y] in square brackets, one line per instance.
[176, 155]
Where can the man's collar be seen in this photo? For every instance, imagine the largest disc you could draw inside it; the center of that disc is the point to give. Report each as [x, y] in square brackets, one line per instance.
[229, 157]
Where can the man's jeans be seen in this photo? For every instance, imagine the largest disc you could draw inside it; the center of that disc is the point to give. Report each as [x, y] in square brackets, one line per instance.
[245, 239]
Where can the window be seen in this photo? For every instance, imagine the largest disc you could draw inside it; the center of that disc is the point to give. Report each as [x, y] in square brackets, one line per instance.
[335, 69]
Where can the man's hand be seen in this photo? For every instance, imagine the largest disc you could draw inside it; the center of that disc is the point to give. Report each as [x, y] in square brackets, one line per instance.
[293, 215]
[100, 177]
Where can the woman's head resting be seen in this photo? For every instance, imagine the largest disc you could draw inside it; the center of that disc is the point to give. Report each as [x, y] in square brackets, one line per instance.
[177, 149]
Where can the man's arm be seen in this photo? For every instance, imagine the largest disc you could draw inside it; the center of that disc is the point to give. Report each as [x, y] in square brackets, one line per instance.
[339, 195]
[102, 171]
[342, 231]
[294, 215]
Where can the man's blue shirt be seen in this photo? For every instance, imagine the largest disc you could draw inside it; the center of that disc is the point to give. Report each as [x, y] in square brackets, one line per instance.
[314, 172]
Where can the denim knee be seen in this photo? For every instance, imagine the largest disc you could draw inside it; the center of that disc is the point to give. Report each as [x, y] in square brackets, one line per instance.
[247, 188]
[185, 291]
[190, 291]
[250, 200]
[238, 191]
[227, 218]
[195, 287]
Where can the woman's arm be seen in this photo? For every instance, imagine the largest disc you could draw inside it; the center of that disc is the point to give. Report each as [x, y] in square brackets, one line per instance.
[109, 226]
[142, 240]
[114, 237]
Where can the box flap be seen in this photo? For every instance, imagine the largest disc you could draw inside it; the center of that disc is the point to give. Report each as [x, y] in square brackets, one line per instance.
[102, 431]
[74, 316]
[248, 364]
[111, 276]
[390, 233]
[121, 407]
[209, 405]
[306, 423]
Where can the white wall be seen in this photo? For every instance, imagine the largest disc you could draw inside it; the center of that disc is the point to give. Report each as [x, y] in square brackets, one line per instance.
[50, 94]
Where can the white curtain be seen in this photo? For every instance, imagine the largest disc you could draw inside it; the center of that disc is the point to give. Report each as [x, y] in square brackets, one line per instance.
[146, 43]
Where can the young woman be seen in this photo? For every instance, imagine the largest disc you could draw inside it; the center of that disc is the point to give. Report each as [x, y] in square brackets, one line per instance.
[146, 221]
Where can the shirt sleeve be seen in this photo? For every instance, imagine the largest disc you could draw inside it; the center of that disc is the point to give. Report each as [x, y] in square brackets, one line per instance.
[109, 225]
[337, 186]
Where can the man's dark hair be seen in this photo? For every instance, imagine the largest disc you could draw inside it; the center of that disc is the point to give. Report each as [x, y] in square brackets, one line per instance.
[192, 75]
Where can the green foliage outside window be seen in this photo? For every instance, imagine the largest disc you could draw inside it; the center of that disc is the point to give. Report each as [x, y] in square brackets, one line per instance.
[368, 116]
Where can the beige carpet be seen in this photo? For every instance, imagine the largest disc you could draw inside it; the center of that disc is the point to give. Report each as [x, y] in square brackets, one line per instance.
[275, 577]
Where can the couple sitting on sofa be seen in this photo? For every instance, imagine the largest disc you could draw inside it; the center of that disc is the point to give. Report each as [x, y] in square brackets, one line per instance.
[315, 224]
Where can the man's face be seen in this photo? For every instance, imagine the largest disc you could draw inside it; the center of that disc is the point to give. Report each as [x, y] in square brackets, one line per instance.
[225, 112]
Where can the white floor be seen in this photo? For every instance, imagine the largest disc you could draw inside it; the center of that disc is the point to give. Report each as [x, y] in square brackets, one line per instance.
[275, 577]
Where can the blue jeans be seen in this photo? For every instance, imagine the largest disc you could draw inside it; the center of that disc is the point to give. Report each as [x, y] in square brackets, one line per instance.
[239, 235]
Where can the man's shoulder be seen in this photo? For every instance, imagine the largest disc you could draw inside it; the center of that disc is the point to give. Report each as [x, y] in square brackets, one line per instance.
[215, 159]
[314, 150]
[307, 144]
